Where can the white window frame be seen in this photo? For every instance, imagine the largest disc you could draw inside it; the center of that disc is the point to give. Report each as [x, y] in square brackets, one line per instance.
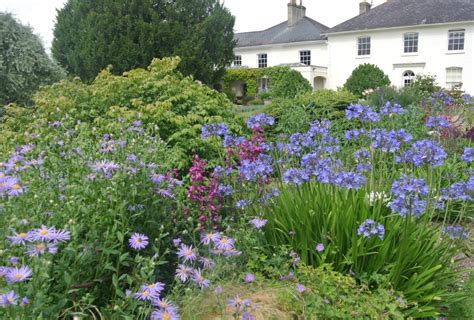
[410, 42]
[238, 61]
[262, 60]
[364, 48]
[305, 57]
[456, 40]
[453, 76]
[408, 76]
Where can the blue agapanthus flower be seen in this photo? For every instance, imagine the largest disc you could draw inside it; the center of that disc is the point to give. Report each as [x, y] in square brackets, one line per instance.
[468, 155]
[389, 109]
[260, 120]
[424, 152]
[370, 229]
[214, 129]
[438, 122]
[455, 232]
[410, 194]
[364, 113]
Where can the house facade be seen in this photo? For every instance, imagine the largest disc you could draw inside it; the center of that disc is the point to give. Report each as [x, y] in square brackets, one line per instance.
[404, 38]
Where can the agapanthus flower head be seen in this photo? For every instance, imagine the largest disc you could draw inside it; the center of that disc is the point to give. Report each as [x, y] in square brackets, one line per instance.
[391, 109]
[348, 179]
[370, 228]
[258, 223]
[18, 274]
[241, 204]
[438, 122]
[455, 232]
[187, 253]
[364, 113]
[260, 120]
[260, 168]
[8, 299]
[409, 196]
[296, 176]
[468, 155]
[215, 129]
[424, 152]
[138, 241]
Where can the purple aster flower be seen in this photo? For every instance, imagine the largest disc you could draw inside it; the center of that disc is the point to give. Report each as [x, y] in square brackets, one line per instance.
[184, 272]
[258, 223]
[60, 235]
[295, 258]
[247, 316]
[107, 168]
[146, 294]
[44, 233]
[200, 280]
[8, 299]
[14, 261]
[218, 290]
[289, 277]
[249, 277]
[300, 288]
[187, 253]
[4, 271]
[207, 263]
[320, 247]
[225, 243]
[176, 242]
[165, 304]
[20, 238]
[468, 155]
[239, 303]
[209, 237]
[18, 274]
[25, 301]
[40, 248]
[164, 315]
[370, 228]
[138, 241]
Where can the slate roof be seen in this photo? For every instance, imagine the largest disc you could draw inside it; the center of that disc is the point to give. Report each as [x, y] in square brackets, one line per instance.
[306, 29]
[401, 13]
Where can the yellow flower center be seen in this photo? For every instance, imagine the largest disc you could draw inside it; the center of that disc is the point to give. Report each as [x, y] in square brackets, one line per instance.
[2, 175]
[44, 232]
[139, 240]
[166, 316]
[239, 300]
[188, 252]
[16, 187]
[40, 246]
[146, 292]
[11, 300]
[22, 235]
[18, 276]
[224, 241]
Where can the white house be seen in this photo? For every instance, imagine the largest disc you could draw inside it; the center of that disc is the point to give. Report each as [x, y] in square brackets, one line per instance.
[403, 37]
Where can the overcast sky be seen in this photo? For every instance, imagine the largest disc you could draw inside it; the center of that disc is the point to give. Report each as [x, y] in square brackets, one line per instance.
[251, 15]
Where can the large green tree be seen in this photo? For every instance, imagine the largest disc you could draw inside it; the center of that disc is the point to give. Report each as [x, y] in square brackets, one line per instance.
[366, 76]
[91, 34]
[24, 64]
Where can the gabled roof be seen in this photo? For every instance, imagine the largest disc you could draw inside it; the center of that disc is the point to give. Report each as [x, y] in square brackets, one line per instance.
[404, 13]
[305, 30]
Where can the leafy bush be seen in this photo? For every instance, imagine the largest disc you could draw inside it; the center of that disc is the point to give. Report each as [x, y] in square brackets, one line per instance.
[24, 65]
[296, 114]
[366, 76]
[159, 96]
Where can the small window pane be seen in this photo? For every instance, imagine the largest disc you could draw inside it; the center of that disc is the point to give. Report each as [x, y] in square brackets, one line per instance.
[363, 46]
[262, 60]
[456, 40]
[305, 57]
[410, 42]
[408, 78]
[453, 77]
[238, 61]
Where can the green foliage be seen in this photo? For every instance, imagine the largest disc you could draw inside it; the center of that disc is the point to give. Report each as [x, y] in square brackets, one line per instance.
[332, 295]
[423, 86]
[89, 35]
[177, 107]
[366, 76]
[284, 82]
[24, 64]
[295, 115]
[464, 309]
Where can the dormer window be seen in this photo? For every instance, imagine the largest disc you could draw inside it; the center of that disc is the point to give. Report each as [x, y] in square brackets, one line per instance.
[456, 40]
[363, 46]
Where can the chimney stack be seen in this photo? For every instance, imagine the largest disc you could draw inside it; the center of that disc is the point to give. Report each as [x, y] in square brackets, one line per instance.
[295, 12]
[364, 7]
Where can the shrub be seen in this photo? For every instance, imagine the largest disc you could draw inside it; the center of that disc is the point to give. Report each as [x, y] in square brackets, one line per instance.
[177, 107]
[366, 76]
[24, 64]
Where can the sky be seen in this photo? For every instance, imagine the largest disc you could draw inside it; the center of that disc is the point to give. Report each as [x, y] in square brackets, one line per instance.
[251, 15]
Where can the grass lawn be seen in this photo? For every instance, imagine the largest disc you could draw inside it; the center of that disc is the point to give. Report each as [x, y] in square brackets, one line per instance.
[247, 111]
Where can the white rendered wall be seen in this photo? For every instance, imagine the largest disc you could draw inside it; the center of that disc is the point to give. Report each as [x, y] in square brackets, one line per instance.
[285, 54]
[432, 58]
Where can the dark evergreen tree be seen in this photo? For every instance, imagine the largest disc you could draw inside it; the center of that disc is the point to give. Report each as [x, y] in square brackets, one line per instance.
[24, 64]
[91, 34]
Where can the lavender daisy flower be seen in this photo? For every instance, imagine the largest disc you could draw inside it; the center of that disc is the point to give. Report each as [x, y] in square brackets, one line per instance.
[146, 294]
[207, 263]
[14, 261]
[183, 272]
[154, 288]
[44, 233]
[249, 277]
[164, 315]
[8, 299]
[218, 290]
[200, 280]
[40, 248]
[165, 304]
[239, 303]
[138, 241]
[187, 253]
[258, 223]
[300, 288]
[209, 237]
[289, 277]
[225, 244]
[320, 247]
[18, 274]
[295, 258]
[25, 301]
[20, 238]
[176, 242]
[60, 236]
[4, 271]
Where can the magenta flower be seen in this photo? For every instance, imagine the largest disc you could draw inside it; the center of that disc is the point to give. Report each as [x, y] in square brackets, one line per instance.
[18, 274]
[138, 241]
[187, 253]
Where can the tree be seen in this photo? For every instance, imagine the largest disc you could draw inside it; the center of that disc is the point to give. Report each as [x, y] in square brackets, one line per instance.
[366, 76]
[91, 34]
[24, 64]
